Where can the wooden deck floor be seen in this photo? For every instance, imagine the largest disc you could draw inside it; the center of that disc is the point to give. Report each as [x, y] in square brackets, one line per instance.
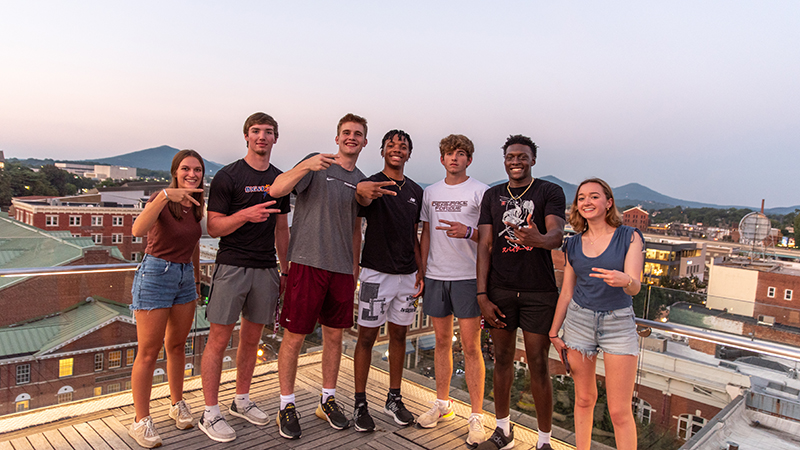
[107, 428]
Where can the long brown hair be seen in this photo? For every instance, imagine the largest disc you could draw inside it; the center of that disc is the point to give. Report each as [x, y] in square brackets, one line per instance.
[613, 216]
[175, 208]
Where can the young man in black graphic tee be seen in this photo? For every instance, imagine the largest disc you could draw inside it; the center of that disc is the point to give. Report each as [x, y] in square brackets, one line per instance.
[521, 221]
[390, 281]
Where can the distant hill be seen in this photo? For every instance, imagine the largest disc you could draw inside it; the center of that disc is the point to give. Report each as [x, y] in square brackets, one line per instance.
[158, 158]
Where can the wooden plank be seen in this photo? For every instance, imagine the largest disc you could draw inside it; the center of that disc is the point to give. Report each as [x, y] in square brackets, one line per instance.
[95, 441]
[21, 443]
[115, 437]
[6, 445]
[57, 440]
[39, 442]
[74, 438]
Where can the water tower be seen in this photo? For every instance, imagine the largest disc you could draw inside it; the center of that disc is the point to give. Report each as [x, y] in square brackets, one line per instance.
[753, 230]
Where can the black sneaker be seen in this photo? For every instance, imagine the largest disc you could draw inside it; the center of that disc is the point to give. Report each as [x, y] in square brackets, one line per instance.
[331, 412]
[498, 440]
[361, 418]
[396, 408]
[289, 423]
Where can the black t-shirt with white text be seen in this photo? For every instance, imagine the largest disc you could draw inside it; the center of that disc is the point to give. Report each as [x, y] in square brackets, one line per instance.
[392, 228]
[238, 186]
[514, 266]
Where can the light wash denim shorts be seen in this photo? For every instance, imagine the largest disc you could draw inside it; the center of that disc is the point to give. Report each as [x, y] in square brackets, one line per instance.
[589, 331]
[162, 284]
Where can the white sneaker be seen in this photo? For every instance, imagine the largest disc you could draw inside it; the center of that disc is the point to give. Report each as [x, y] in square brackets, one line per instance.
[217, 429]
[476, 432]
[436, 414]
[144, 433]
[250, 413]
[182, 415]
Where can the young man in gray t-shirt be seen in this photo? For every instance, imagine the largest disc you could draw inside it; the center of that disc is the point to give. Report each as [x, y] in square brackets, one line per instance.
[323, 251]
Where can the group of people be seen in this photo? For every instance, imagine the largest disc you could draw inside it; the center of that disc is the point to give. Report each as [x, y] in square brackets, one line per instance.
[483, 257]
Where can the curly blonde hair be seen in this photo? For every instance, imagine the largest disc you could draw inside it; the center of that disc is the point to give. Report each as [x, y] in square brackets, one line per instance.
[454, 142]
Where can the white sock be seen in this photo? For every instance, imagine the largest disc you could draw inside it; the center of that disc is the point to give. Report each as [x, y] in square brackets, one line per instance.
[443, 405]
[505, 425]
[242, 400]
[478, 415]
[212, 411]
[544, 438]
[327, 393]
[285, 400]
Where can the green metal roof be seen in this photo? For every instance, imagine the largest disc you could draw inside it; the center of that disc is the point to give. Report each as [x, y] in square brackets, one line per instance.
[39, 336]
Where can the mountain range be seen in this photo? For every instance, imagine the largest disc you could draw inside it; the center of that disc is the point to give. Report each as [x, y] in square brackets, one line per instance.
[631, 194]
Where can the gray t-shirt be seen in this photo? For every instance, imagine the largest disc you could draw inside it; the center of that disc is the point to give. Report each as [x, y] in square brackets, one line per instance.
[323, 220]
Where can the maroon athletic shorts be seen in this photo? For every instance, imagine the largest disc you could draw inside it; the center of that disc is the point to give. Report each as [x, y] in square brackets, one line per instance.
[315, 294]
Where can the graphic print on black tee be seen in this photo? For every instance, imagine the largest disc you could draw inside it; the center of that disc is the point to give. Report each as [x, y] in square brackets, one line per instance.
[517, 211]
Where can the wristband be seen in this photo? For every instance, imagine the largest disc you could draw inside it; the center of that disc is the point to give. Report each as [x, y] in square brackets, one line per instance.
[468, 234]
[554, 337]
[481, 293]
[165, 194]
[196, 283]
[284, 274]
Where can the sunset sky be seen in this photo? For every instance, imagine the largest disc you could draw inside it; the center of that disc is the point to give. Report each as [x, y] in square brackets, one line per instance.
[697, 100]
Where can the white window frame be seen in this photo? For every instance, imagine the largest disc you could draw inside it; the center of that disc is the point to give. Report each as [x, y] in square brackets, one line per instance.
[97, 238]
[97, 221]
[115, 359]
[98, 362]
[771, 292]
[136, 239]
[642, 410]
[117, 221]
[116, 238]
[130, 356]
[787, 294]
[686, 424]
[74, 221]
[51, 220]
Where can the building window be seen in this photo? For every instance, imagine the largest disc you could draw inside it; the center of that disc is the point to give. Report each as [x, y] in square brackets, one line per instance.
[65, 367]
[415, 325]
[642, 410]
[136, 256]
[23, 373]
[426, 320]
[97, 221]
[65, 397]
[116, 238]
[97, 238]
[128, 385]
[689, 425]
[355, 322]
[74, 221]
[158, 376]
[188, 370]
[230, 342]
[188, 348]
[98, 391]
[771, 292]
[23, 405]
[115, 359]
[129, 356]
[98, 362]
[136, 239]
[51, 221]
[117, 221]
[382, 331]
[227, 363]
[787, 294]
[112, 388]
[161, 354]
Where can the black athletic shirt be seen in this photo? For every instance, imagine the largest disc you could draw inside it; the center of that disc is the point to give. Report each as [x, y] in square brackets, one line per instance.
[236, 187]
[516, 267]
[392, 228]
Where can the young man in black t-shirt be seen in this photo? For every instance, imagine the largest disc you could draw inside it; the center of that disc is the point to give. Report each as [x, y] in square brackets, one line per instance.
[390, 281]
[521, 221]
[253, 228]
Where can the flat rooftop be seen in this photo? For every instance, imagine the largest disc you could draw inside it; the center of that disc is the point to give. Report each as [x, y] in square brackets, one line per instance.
[101, 423]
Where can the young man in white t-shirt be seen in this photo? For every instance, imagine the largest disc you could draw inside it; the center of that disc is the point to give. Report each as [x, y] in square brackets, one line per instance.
[450, 211]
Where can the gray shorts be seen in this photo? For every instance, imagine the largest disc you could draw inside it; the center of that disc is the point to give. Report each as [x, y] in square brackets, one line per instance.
[445, 298]
[252, 292]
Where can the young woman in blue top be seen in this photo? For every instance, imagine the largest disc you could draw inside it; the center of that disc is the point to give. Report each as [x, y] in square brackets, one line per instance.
[602, 271]
[165, 289]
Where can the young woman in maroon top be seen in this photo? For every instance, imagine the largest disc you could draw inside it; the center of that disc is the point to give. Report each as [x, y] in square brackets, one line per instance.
[165, 290]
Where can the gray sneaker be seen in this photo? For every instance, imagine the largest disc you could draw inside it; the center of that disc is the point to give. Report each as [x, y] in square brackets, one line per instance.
[144, 433]
[217, 429]
[250, 413]
[182, 415]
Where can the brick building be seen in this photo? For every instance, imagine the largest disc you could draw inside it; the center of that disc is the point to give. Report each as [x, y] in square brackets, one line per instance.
[636, 217]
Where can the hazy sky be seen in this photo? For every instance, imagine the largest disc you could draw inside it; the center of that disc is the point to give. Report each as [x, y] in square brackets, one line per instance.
[697, 100]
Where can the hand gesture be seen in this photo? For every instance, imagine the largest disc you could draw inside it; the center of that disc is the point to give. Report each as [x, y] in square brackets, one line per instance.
[320, 162]
[374, 189]
[419, 284]
[259, 213]
[178, 195]
[453, 229]
[557, 342]
[528, 236]
[490, 312]
[613, 278]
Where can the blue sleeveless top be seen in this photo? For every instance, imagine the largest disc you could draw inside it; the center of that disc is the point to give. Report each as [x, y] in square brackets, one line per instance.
[593, 293]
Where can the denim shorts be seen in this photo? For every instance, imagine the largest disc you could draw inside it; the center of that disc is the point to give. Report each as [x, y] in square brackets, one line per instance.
[162, 284]
[589, 331]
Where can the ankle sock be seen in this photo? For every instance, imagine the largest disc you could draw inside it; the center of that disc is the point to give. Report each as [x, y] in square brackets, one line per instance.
[544, 438]
[242, 400]
[505, 425]
[212, 411]
[285, 400]
[327, 393]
